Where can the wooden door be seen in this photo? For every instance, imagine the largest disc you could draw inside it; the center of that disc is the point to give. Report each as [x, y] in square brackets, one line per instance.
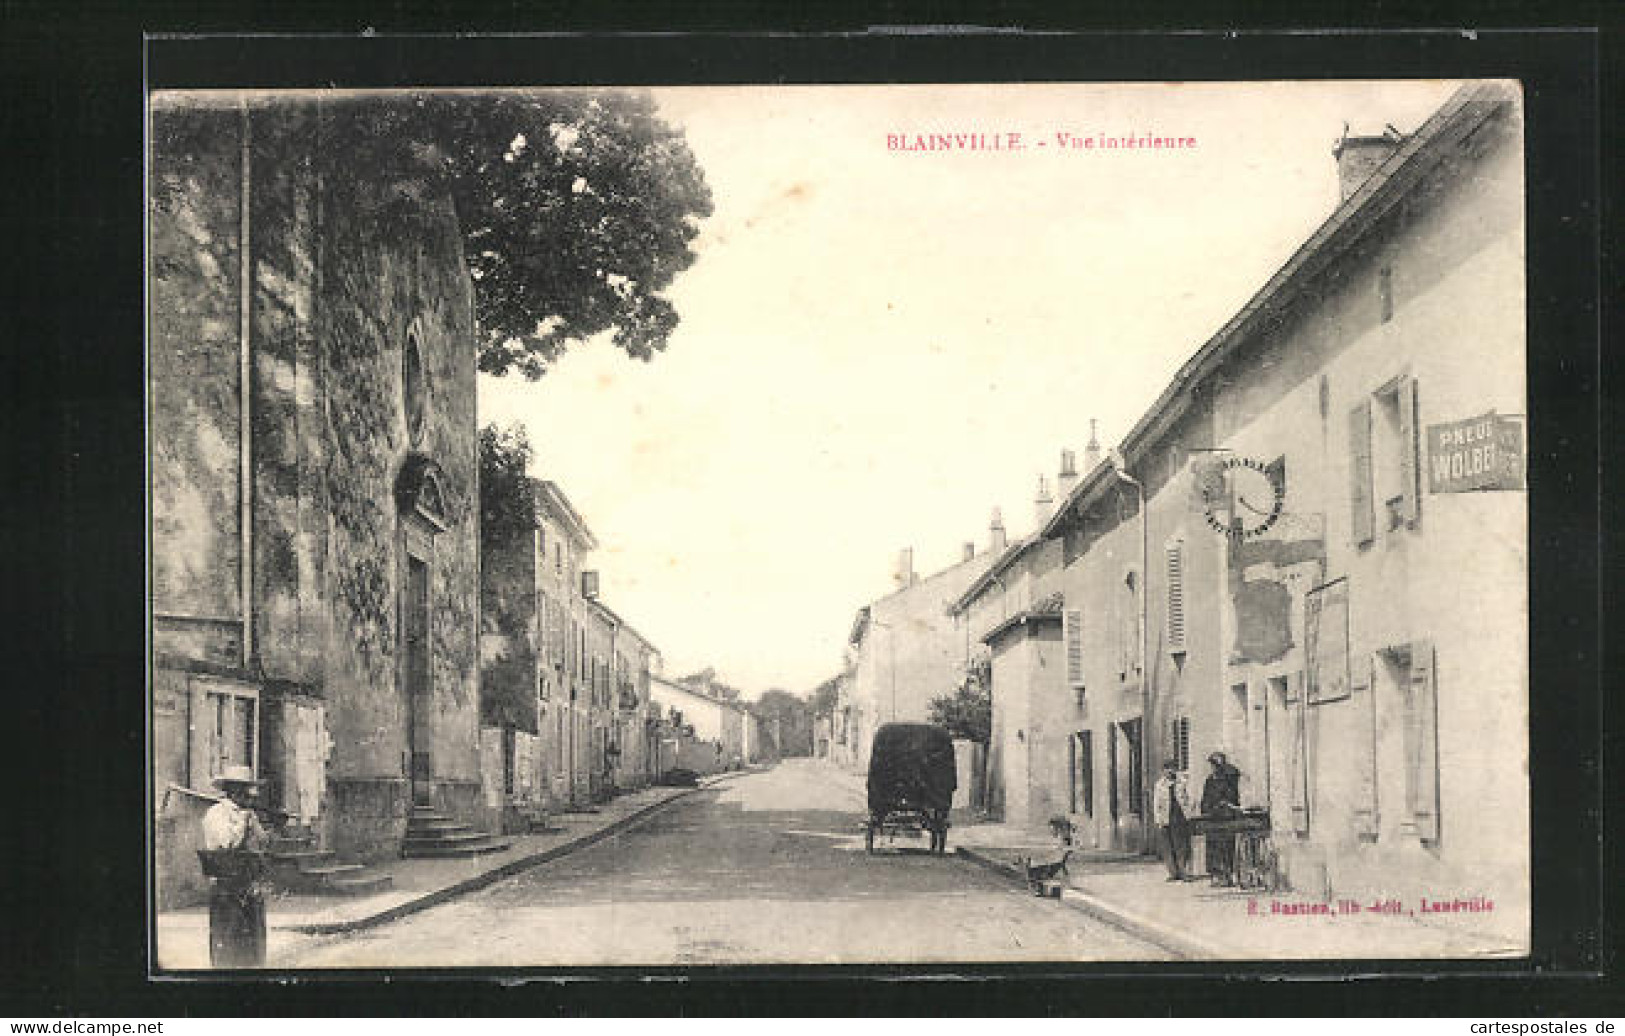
[415, 629]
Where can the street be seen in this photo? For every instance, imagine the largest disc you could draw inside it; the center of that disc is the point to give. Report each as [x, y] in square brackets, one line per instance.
[767, 868]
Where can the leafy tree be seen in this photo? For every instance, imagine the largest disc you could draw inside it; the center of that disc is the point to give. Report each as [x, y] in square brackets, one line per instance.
[967, 712]
[788, 717]
[824, 697]
[577, 209]
[506, 505]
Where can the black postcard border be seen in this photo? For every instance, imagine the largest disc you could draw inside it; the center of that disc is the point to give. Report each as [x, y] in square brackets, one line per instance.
[76, 185]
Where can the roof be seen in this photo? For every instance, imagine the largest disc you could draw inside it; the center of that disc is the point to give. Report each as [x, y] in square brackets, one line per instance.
[1001, 565]
[1391, 182]
[1047, 610]
[552, 499]
[620, 623]
[668, 684]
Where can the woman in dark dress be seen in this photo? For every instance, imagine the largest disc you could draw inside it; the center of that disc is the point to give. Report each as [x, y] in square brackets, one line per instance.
[1221, 800]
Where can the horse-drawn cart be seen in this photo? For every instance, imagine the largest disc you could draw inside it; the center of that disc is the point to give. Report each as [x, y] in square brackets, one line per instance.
[912, 778]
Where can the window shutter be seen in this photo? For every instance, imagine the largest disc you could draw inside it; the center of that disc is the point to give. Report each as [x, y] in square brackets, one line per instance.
[1299, 755]
[1422, 742]
[1072, 619]
[1176, 597]
[1364, 693]
[1111, 770]
[1362, 520]
[1409, 454]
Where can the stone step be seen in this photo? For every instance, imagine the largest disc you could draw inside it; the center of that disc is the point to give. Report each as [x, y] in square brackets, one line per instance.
[356, 884]
[333, 870]
[434, 826]
[445, 838]
[488, 845]
[298, 857]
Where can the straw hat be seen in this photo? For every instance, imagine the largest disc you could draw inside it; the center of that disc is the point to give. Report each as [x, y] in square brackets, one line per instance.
[238, 774]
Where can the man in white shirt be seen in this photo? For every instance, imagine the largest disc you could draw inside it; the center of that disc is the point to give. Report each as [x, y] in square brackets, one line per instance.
[233, 844]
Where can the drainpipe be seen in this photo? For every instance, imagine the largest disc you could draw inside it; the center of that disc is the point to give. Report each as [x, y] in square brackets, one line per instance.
[245, 450]
[1120, 468]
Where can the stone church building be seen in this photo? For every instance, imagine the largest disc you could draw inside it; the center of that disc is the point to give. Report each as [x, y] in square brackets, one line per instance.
[314, 501]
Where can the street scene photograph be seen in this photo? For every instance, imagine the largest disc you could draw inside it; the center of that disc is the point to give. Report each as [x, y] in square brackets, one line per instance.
[837, 525]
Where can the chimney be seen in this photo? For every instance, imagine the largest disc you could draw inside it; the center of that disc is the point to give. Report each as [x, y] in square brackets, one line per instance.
[1091, 453]
[996, 540]
[1067, 477]
[969, 550]
[905, 567]
[1359, 157]
[1043, 503]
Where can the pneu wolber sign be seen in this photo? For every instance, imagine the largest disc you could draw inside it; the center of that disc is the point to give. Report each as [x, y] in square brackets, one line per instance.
[1484, 452]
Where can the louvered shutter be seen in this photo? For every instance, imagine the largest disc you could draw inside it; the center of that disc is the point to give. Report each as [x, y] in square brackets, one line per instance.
[1072, 619]
[1422, 743]
[1176, 597]
[1409, 454]
[1362, 520]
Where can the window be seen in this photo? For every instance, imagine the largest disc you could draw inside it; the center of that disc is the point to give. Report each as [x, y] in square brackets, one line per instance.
[1385, 293]
[225, 729]
[414, 395]
[1135, 771]
[1384, 468]
[1111, 771]
[508, 754]
[558, 558]
[1395, 449]
[1175, 550]
[1128, 626]
[235, 719]
[1072, 620]
[1179, 741]
[1083, 785]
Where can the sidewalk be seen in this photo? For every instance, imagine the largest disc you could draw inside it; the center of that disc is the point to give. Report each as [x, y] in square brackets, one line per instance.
[182, 936]
[1196, 920]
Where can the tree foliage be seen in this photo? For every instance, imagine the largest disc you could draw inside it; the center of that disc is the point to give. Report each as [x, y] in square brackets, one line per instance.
[824, 697]
[967, 712]
[507, 507]
[577, 209]
[788, 717]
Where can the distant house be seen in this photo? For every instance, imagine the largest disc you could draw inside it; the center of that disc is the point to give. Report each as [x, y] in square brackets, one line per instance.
[904, 649]
[1009, 619]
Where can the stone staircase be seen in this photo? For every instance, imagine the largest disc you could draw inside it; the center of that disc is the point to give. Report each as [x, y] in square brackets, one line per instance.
[297, 866]
[430, 833]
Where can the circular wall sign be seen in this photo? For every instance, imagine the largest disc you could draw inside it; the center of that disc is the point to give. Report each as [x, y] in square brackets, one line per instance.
[1243, 498]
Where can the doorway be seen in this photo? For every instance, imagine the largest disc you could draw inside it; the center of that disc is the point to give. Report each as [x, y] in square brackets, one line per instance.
[415, 630]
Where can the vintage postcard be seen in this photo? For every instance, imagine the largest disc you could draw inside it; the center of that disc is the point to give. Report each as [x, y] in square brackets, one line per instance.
[799, 525]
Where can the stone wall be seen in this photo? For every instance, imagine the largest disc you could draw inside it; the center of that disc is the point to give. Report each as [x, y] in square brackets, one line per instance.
[346, 268]
[194, 383]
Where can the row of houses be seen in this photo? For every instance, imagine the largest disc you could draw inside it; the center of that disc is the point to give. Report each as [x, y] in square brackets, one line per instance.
[325, 610]
[1308, 553]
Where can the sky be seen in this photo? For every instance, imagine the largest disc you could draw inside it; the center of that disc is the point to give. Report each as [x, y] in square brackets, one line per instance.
[878, 347]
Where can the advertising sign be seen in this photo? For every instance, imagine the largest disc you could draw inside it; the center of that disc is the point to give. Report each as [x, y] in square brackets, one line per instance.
[1478, 453]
